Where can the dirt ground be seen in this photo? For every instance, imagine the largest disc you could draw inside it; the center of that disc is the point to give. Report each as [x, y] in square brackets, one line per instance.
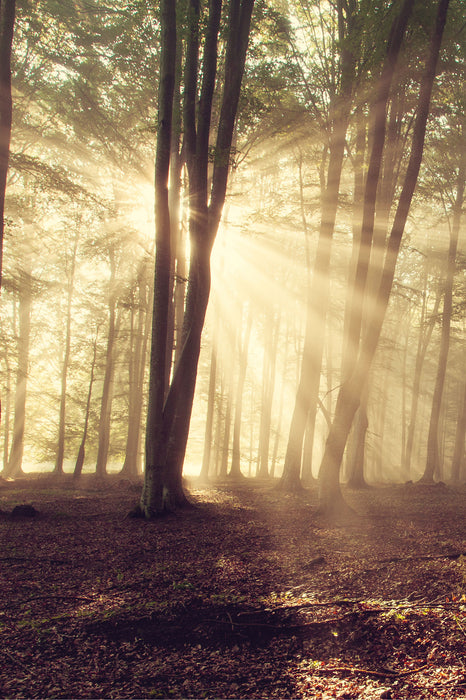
[247, 595]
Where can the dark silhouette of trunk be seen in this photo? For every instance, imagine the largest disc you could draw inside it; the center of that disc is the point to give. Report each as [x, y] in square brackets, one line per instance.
[357, 446]
[433, 463]
[14, 467]
[168, 421]
[7, 21]
[330, 496]
[78, 467]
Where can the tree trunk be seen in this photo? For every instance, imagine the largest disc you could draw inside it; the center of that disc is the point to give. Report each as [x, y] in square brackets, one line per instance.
[7, 21]
[209, 426]
[107, 390]
[14, 467]
[168, 425]
[305, 408]
[423, 343]
[136, 377]
[433, 463]
[458, 454]
[235, 470]
[66, 361]
[330, 496]
[268, 387]
[78, 467]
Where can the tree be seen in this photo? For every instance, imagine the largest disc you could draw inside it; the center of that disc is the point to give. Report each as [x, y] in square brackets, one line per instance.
[432, 467]
[7, 20]
[316, 309]
[169, 416]
[330, 497]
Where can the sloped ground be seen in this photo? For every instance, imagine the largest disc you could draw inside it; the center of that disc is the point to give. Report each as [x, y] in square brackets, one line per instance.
[248, 595]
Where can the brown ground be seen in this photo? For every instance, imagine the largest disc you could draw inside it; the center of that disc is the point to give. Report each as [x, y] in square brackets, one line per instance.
[248, 595]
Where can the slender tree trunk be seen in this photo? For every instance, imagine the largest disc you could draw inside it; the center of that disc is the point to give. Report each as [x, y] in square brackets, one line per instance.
[235, 470]
[209, 426]
[424, 337]
[7, 21]
[14, 468]
[305, 407]
[6, 411]
[433, 462]
[107, 390]
[78, 467]
[66, 361]
[331, 499]
[458, 454]
[268, 387]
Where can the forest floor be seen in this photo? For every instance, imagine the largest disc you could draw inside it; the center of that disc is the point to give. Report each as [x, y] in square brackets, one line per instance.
[247, 595]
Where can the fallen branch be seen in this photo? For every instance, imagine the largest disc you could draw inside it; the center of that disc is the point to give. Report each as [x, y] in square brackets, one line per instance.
[388, 673]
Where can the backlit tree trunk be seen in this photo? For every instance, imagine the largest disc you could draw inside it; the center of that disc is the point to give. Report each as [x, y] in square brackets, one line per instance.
[317, 303]
[14, 467]
[168, 421]
[330, 497]
[66, 361]
[433, 462]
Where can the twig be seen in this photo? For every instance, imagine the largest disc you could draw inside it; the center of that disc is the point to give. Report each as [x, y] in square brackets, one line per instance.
[368, 672]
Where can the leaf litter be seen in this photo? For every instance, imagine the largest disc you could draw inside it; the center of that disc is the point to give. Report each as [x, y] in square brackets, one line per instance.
[247, 595]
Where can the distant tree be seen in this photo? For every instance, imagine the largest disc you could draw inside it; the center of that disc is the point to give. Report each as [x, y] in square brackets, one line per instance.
[66, 356]
[317, 295]
[24, 288]
[432, 467]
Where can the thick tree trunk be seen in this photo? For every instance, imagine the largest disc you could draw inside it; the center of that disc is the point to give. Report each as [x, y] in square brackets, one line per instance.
[168, 424]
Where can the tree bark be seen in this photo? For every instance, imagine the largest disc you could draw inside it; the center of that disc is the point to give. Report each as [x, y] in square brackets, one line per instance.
[7, 21]
[165, 450]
